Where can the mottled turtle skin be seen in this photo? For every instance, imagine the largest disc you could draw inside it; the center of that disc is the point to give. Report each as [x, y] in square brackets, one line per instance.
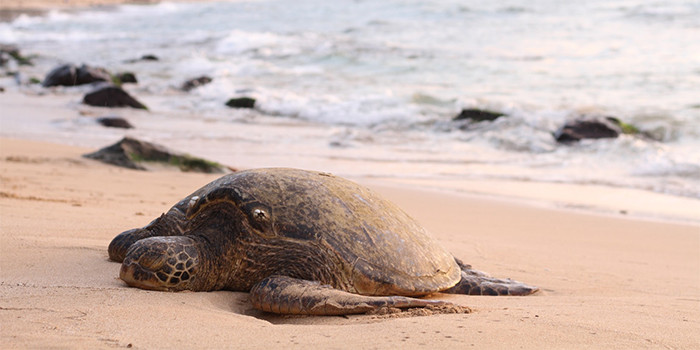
[301, 242]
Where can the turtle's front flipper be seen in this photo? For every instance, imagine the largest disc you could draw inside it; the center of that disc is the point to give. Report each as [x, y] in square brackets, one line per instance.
[475, 282]
[286, 295]
[170, 224]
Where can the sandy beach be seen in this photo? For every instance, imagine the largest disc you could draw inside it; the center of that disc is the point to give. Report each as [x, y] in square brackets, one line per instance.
[606, 282]
[617, 267]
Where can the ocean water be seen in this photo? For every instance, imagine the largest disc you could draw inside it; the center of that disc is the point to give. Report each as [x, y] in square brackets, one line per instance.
[369, 88]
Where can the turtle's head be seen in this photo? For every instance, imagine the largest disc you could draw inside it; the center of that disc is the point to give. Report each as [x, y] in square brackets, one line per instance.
[162, 263]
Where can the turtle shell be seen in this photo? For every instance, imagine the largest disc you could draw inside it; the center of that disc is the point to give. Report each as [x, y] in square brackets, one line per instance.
[382, 249]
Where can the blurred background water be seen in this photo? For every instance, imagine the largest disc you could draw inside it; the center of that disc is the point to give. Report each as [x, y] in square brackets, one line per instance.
[377, 83]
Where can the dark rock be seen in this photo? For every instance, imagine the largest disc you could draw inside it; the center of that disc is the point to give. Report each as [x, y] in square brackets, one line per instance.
[195, 83]
[127, 77]
[129, 152]
[241, 102]
[143, 58]
[141, 155]
[70, 75]
[478, 115]
[89, 75]
[111, 96]
[588, 128]
[115, 122]
[65, 75]
[2, 89]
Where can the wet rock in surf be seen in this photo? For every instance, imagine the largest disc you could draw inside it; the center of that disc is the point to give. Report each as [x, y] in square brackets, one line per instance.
[241, 102]
[588, 128]
[478, 115]
[71, 75]
[147, 57]
[141, 155]
[195, 83]
[126, 77]
[111, 96]
[115, 122]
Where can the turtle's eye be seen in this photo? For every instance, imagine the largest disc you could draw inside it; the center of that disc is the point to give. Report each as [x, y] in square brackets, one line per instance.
[260, 214]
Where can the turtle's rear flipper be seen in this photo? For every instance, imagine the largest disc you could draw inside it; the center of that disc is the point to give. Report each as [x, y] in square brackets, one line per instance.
[475, 282]
[286, 295]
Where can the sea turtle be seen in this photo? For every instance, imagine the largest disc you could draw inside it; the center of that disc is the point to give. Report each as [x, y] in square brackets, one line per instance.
[301, 242]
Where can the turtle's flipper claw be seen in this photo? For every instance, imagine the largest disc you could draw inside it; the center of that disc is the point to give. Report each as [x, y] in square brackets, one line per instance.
[475, 282]
[286, 295]
[169, 224]
[120, 244]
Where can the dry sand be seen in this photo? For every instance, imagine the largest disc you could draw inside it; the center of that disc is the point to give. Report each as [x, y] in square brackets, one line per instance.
[607, 282]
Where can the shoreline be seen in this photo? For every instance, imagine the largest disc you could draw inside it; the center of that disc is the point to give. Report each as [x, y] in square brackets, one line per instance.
[70, 123]
[606, 282]
[63, 109]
